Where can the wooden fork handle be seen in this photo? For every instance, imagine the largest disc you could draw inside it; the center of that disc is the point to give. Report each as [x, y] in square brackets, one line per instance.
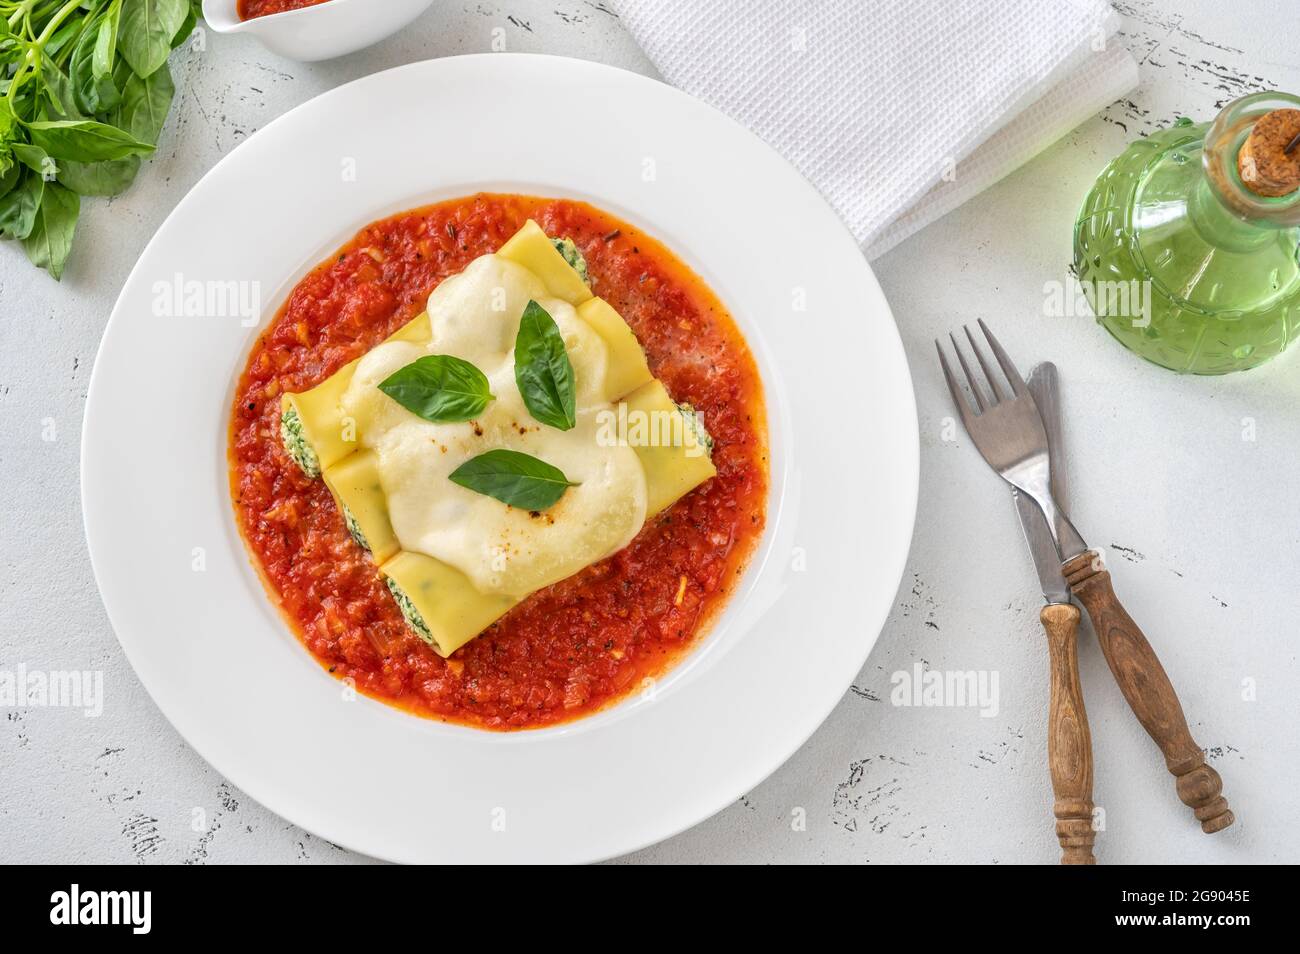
[1149, 693]
[1069, 744]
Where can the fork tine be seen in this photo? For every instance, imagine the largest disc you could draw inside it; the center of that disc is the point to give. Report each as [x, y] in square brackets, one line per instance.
[984, 366]
[970, 378]
[1008, 367]
[963, 405]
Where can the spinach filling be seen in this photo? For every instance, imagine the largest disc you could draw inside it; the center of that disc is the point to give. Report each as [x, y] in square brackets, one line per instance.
[570, 253]
[695, 421]
[354, 528]
[409, 612]
[296, 444]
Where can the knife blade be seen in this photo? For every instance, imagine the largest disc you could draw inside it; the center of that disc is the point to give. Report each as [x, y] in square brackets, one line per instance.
[1043, 384]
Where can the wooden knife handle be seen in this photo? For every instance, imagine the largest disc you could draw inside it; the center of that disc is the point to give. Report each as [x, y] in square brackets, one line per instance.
[1149, 693]
[1069, 744]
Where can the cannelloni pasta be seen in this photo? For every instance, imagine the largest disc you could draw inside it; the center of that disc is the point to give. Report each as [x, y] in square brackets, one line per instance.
[457, 558]
[311, 422]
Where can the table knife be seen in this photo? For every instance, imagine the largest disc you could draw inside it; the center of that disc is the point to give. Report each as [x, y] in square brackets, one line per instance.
[1069, 743]
[1135, 666]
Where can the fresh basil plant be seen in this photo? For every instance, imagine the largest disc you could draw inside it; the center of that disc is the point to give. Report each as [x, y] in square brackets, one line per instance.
[84, 93]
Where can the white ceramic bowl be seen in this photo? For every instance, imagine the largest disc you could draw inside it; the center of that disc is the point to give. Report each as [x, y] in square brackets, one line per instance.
[320, 32]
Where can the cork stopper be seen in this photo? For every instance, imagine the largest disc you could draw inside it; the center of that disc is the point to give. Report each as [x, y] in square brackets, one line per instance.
[1269, 161]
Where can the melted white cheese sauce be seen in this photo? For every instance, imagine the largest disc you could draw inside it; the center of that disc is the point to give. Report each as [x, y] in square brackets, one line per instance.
[475, 316]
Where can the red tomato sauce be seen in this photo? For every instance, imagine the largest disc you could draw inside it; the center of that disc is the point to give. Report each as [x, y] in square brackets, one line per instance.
[574, 647]
[250, 9]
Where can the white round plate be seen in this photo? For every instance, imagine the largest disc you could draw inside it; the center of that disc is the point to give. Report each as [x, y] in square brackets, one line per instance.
[192, 615]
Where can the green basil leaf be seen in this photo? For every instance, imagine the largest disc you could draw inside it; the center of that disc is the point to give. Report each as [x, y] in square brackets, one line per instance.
[110, 177]
[9, 177]
[146, 31]
[105, 53]
[58, 92]
[85, 140]
[63, 37]
[145, 103]
[18, 207]
[35, 159]
[94, 92]
[543, 371]
[187, 28]
[439, 387]
[513, 478]
[50, 240]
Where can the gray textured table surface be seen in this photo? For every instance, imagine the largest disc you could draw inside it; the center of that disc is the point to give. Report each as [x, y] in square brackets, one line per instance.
[1192, 484]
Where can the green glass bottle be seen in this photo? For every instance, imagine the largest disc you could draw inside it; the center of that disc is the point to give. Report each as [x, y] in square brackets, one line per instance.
[1181, 260]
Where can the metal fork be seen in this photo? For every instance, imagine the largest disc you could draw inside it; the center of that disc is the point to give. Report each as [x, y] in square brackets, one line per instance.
[1009, 433]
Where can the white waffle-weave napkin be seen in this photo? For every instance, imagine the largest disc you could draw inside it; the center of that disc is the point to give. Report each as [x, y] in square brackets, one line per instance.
[897, 110]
